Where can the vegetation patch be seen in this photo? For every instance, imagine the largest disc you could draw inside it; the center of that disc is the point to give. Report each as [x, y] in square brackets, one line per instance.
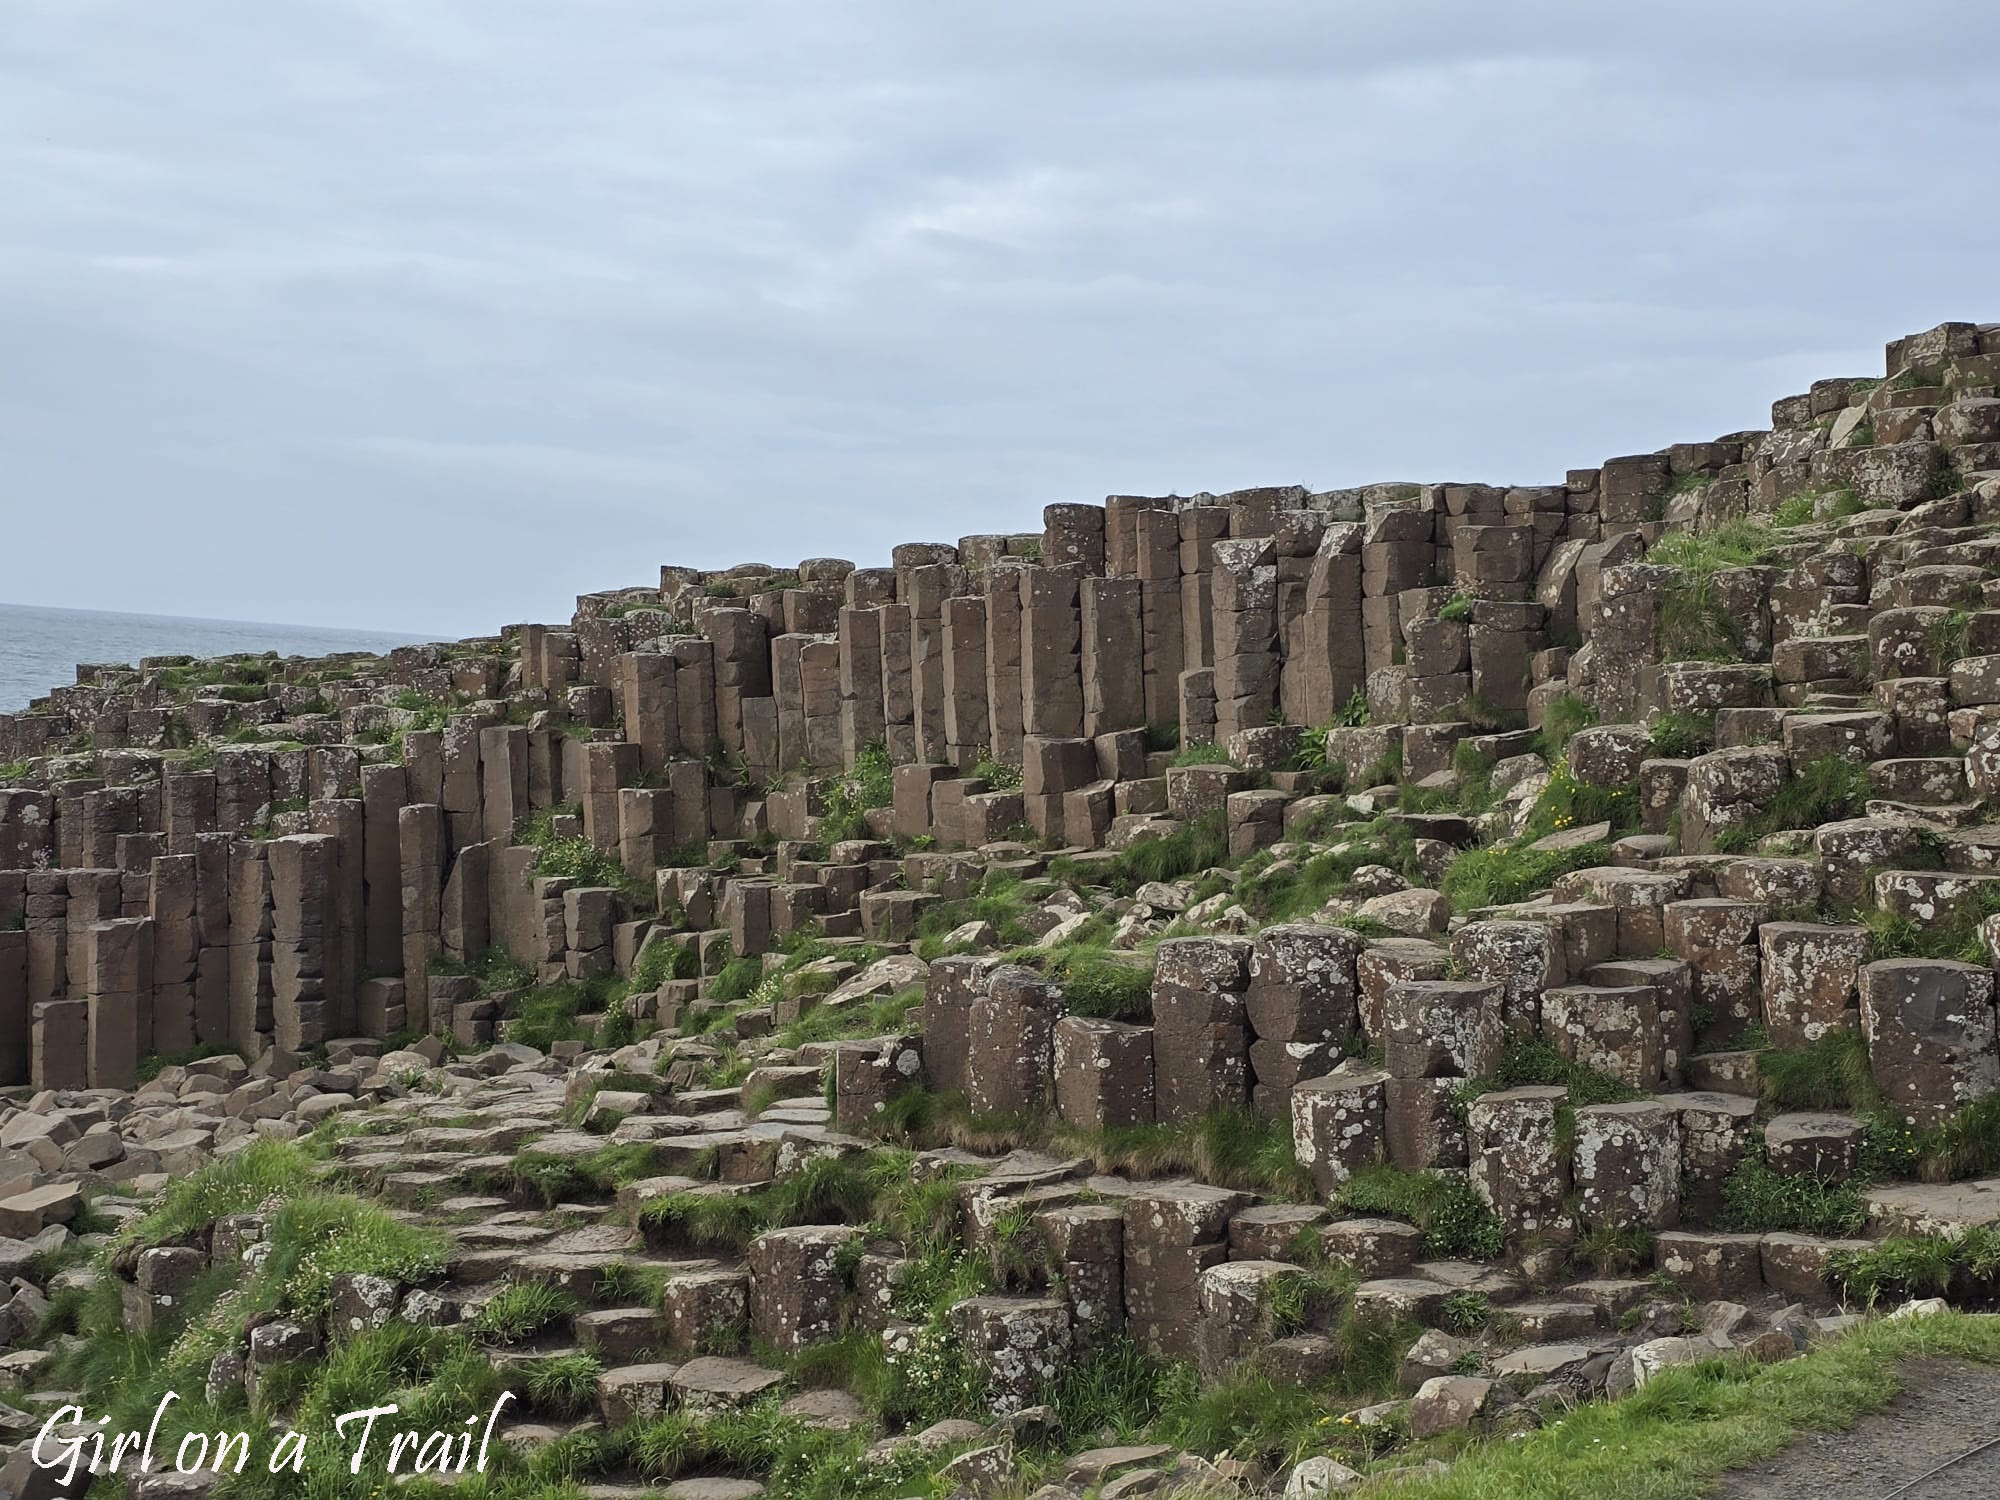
[869, 785]
[1201, 753]
[1200, 844]
[1105, 985]
[522, 1309]
[1756, 1200]
[1964, 1267]
[1954, 932]
[1457, 1225]
[1682, 736]
[1537, 1063]
[1503, 874]
[1694, 623]
[1569, 803]
[1672, 1439]
[1230, 1148]
[1562, 717]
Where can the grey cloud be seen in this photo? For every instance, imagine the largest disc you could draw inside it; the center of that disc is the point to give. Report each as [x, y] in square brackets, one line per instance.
[432, 313]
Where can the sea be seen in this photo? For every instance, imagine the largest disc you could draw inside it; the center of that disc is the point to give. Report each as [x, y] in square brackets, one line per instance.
[40, 648]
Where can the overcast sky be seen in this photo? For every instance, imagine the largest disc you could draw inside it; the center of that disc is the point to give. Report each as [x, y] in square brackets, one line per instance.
[431, 314]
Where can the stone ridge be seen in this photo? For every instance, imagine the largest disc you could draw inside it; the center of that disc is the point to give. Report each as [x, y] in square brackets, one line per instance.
[1618, 852]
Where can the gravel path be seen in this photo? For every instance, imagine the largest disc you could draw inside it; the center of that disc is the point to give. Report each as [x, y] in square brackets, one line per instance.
[1946, 1409]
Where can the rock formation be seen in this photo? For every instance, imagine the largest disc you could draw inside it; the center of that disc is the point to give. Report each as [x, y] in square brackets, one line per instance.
[1230, 918]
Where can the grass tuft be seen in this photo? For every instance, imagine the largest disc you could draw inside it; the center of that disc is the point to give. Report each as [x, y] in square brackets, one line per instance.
[1457, 1225]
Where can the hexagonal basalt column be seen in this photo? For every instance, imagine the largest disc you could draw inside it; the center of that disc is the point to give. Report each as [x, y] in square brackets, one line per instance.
[1627, 1164]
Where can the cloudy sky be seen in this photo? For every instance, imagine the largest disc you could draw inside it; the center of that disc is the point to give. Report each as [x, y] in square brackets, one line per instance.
[430, 314]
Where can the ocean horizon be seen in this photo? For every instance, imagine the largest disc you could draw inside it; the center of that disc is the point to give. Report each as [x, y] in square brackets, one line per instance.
[40, 648]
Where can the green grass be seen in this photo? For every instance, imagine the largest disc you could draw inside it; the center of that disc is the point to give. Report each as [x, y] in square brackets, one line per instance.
[1614, 1250]
[1097, 982]
[495, 969]
[1456, 1224]
[705, 1221]
[234, 1184]
[1966, 1145]
[1503, 874]
[1569, 803]
[1457, 609]
[152, 1066]
[1490, 718]
[522, 1309]
[579, 860]
[1671, 1440]
[1795, 511]
[1740, 543]
[1355, 712]
[313, 1236]
[859, 1190]
[661, 961]
[1682, 736]
[1563, 716]
[1282, 891]
[1756, 1200]
[1952, 933]
[1311, 753]
[563, 1385]
[1200, 844]
[869, 785]
[552, 1179]
[1001, 902]
[1945, 479]
[547, 1015]
[1230, 1148]
[1834, 1073]
[1823, 790]
[1247, 1416]
[1964, 1266]
[1201, 753]
[1831, 1073]
[1946, 639]
[997, 774]
[1537, 1062]
[1694, 625]
[1115, 1388]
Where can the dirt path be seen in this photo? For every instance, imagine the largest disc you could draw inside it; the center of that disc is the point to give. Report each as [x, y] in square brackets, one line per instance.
[1946, 1409]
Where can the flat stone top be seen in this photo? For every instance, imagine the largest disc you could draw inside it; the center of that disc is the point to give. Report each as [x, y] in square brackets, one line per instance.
[712, 1489]
[1281, 1214]
[1706, 1237]
[1342, 1228]
[1708, 1102]
[1185, 1191]
[1633, 1108]
[1534, 1093]
[1340, 1083]
[826, 1408]
[1813, 1122]
[1944, 1205]
[53, 1195]
[1097, 1463]
[1252, 1270]
[629, 1375]
[729, 1377]
[1542, 1359]
[704, 1273]
[995, 1303]
[1401, 1286]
